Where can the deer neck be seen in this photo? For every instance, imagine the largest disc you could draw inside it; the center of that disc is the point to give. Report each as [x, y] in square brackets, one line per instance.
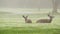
[50, 20]
[25, 19]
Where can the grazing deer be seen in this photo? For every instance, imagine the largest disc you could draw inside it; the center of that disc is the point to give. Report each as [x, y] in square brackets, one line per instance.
[26, 19]
[45, 20]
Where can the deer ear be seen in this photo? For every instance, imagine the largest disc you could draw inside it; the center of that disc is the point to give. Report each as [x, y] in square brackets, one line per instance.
[48, 15]
[23, 16]
[26, 16]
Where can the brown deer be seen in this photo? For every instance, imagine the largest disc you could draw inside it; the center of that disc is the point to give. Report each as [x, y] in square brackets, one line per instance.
[45, 20]
[26, 19]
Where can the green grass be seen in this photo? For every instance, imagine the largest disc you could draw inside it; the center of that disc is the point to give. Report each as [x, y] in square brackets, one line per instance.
[30, 30]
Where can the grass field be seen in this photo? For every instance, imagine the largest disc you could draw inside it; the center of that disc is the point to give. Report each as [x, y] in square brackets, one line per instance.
[11, 23]
[29, 30]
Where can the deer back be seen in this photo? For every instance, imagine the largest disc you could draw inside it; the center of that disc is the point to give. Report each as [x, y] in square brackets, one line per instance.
[43, 21]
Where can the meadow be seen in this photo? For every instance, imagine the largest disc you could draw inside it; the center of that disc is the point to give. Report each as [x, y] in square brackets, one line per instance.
[11, 23]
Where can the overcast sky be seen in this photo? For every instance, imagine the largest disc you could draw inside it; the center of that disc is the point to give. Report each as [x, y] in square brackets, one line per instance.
[26, 3]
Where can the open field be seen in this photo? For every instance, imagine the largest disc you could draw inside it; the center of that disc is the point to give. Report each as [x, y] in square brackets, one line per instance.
[29, 30]
[11, 23]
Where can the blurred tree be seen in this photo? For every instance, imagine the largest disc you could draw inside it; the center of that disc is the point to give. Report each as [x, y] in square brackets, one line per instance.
[55, 5]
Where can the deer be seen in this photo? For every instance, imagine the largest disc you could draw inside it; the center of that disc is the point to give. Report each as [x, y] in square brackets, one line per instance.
[45, 20]
[26, 19]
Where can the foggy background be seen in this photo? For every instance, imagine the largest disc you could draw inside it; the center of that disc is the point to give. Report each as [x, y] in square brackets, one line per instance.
[26, 3]
[27, 6]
